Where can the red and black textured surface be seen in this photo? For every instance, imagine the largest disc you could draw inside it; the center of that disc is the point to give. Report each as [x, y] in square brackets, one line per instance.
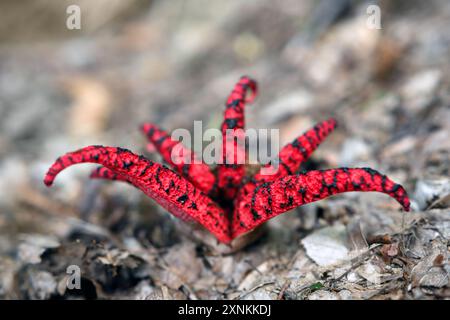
[297, 152]
[105, 173]
[187, 162]
[270, 199]
[196, 172]
[231, 171]
[262, 198]
[174, 193]
[292, 156]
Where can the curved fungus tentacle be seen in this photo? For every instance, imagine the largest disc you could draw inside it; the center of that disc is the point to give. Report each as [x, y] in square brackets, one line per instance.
[232, 170]
[171, 191]
[270, 199]
[294, 154]
[182, 159]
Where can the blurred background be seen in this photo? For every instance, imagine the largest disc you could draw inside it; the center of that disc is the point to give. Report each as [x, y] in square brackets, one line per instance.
[173, 62]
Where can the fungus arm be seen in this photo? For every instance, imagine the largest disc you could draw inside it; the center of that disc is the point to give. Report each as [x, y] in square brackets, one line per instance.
[232, 169]
[183, 160]
[171, 191]
[268, 200]
[297, 152]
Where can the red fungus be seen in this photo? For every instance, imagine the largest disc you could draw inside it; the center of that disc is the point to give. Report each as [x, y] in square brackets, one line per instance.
[230, 175]
[198, 173]
[269, 199]
[294, 154]
[194, 193]
[171, 191]
[105, 173]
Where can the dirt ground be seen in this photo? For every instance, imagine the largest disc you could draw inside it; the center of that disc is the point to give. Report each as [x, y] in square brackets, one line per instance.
[174, 62]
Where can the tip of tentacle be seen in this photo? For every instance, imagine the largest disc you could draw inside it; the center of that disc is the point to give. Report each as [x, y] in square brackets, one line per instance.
[331, 123]
[407, 205]
[95, 173]
[402, 197]
[48, 180]
[251, 84]
[145, 127]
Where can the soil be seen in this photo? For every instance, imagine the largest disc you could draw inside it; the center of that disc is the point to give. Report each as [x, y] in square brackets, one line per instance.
[173, 63]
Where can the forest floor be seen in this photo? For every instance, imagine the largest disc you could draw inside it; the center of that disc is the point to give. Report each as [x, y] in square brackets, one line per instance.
[389, 90]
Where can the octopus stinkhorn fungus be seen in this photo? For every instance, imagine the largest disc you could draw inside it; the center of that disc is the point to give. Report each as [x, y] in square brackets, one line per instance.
[225, 202]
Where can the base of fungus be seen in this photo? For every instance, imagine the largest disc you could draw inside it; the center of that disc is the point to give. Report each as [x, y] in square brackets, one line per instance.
[200, 235]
